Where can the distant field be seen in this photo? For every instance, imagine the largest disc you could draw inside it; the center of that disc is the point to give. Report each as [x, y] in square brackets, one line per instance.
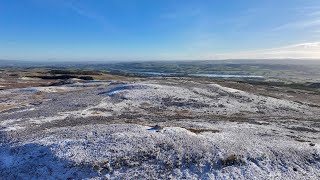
[285, 70]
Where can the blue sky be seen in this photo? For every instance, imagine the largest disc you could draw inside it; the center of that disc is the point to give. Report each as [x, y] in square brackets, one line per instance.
[158, 29]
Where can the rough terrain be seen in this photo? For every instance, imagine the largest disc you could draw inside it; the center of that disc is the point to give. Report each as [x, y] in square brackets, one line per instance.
[178, 128]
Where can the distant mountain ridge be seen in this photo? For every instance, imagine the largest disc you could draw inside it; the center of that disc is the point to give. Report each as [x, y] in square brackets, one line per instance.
[13, 63]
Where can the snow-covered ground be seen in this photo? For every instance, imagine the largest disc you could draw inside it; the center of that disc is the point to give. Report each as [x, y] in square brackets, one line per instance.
[167, 129]
[231, 151]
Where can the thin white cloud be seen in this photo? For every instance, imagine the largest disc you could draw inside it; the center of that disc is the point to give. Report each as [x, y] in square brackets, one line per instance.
[299, 25]
[296, 51]
[309, 17]
[315, 13]
[90, 14]
[80, 9]
[185, 12]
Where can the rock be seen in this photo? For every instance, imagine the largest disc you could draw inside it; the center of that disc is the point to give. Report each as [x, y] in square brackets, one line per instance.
[294, 169]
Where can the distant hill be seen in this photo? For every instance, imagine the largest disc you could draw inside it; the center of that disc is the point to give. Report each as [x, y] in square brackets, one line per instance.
[47, 63]
[6, 63]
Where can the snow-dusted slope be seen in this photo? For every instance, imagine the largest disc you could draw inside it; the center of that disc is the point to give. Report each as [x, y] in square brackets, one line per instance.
[231, 151]
[211, 99]
[107, 130]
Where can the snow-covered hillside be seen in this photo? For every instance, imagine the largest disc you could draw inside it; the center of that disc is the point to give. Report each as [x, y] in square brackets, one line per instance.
[168, 129]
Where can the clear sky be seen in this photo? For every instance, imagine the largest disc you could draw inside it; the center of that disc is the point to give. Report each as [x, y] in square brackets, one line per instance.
[158, 29]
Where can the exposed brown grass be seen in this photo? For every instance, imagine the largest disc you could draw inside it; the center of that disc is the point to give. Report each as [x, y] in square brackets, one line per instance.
[95, 113]
[232, 160]
[198, 131]
[145, 104]
[104, 76]
[182, 112]
[6, 107]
